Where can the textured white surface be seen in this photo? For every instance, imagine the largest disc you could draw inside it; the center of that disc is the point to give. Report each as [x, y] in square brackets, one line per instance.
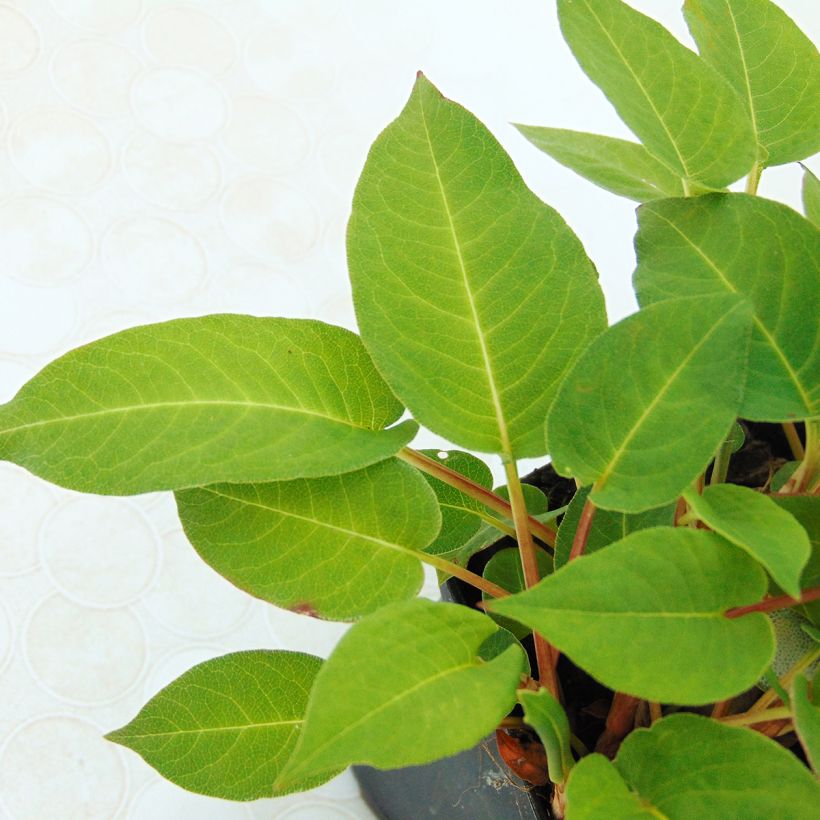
[162, 159]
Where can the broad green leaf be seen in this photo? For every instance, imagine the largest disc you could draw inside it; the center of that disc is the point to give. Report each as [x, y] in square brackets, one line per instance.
[505, 569]
[473, 296]
[596, 791]
[756, 524]
[406, 685]
[650, 400]
[534, 499]
[336, 547]
[759, 249]
[546, 715]
[681, 109]
[227, 727]
[460, 514]
[623, 167]
[811, 196]
[645, 616]
[806, 509]
[607, 526]
[736, 438]
[688, 766]
[771, 64]
[196, 401]
[807, 720]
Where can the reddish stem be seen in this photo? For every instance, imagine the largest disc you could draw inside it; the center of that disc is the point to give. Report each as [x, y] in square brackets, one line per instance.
[579, 542]
[772, 604]
[619, 722]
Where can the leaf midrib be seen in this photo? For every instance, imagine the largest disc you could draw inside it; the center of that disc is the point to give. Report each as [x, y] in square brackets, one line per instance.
[488, 368]
[317, 522]
[136, 408]
[646, 96]
[208, 730]
[807, 403]
[621, 449]
[746, 78]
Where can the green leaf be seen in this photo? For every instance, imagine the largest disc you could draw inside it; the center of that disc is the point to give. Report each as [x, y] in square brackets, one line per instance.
[688, 766]
[636, 614]
[546, 715]
[336, 547]
[406, 685]
[650, 400]
[196, 401]
[596, 791]
[811, 196]
[473, 296]
[756, 524]
[782, 475]
[681, 109]
[806, 509]
[505, 569]
[460, 514]
[607, 526]
[623, 167]
[807, 720]
[736, 438]
[771, 64]
[762, 250]
[227, 727]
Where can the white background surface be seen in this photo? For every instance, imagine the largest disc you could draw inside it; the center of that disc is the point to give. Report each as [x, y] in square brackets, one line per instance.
[163, 159]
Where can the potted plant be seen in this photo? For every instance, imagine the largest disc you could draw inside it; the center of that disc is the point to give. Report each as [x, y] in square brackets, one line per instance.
[481, 315]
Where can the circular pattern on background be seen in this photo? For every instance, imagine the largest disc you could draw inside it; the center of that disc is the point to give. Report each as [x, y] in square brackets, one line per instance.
[266, 135]
[161, 800]
[13, 375]
[178, 104]
[105, 16]
[190, 598]
[55, 311]
[154, 259]
[19, 42]
[61, 767]
[270, 219]
[260, 291]
[179, 35]
[43, 241]
[179, 177]
[300, 633]
[95, 75]
[109, 564]
[82, 655]
[24, 503]
[172, 666]
[313, 809]
[58, 149]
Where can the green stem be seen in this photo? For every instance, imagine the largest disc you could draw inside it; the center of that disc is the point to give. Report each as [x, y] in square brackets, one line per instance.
[750, 718]
[795, 445]
[473, 490]
[463, 573]
[753, 180]
[720, 466]
[806, 478]
[532, 575]
[497, 523]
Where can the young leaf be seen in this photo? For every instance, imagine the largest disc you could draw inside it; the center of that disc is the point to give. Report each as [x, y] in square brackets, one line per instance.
[645, 616]
[806, 509]
[690, 766]
[196, 401]
[762, 250]
[623, 167]
[473, 296]
[681, 109]
[650, 400]
[807, 720]
[459, 512]
[505, 569]
[406, 685]
[771, 64]
[607, 526]
[227, 727]
[596, 790]
[546, 715]
[336, 547]
[811, 196]
[756, 524]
